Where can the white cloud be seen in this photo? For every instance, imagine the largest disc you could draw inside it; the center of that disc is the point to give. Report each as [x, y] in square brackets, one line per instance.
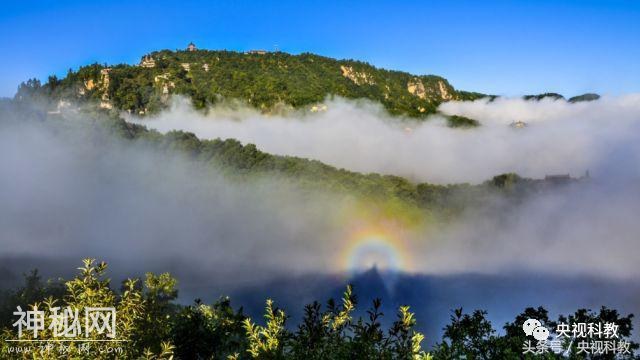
[561, 137]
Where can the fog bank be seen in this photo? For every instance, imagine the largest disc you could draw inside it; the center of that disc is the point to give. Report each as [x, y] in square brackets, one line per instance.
[559, 138]
[144, 210]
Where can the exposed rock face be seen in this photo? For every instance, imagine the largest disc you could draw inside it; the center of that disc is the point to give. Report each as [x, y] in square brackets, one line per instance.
[89, 84]
[163, 81]
[102, 85]
[186, 66]
[205, 67]
[359, 78]
[148, 62]
[162, 77]
[318, 107]
[105, 78]
[416, 87]
[165, 88]
[444, 91]
[105, 102]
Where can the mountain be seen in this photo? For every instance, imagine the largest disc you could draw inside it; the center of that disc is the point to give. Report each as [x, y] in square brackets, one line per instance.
[554, 96]
[584, 97]
[269, 81]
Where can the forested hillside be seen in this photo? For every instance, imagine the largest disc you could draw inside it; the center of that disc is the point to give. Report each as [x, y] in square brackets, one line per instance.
[270, 81]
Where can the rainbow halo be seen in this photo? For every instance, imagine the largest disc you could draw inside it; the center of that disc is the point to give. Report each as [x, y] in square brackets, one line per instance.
[368, 249]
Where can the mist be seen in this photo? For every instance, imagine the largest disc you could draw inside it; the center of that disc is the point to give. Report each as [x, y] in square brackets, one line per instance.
[559, 138]
[576, 230]
[585, 229]
[143, 210]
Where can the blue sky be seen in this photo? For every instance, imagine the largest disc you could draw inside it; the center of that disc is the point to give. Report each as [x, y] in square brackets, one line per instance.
[498, 47]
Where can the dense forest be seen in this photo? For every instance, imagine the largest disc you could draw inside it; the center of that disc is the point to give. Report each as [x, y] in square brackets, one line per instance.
[270, 81]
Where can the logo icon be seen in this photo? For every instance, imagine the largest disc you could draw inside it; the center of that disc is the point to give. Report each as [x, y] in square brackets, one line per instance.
[533, 327]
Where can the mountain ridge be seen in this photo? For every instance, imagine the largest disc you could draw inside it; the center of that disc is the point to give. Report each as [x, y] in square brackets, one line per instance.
[268, 81]
[272, 82]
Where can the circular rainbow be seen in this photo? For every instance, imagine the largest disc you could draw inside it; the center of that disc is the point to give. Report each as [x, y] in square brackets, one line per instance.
[367, 249]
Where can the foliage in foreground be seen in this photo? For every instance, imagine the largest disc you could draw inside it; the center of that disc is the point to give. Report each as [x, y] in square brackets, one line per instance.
[151, 326]
[155, 327]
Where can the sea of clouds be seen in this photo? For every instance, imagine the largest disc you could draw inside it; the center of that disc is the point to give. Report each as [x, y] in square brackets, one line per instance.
[148, 211]
[560, 137]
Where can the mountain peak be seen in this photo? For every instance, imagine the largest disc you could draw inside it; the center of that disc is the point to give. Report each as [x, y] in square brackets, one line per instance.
[263, 80]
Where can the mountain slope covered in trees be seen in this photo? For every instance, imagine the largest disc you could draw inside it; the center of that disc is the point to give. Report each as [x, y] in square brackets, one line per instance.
[268, 81]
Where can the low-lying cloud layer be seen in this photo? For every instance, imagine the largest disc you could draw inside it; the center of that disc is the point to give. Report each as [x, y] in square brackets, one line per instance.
[560, 137]
[588, 229]
[143, 210]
